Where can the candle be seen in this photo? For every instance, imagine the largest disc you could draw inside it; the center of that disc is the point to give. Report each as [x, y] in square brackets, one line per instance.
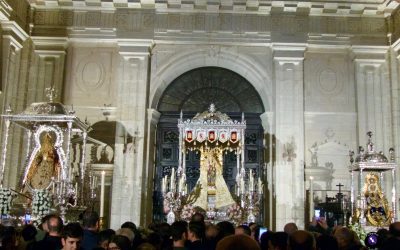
[311, 198]
[251, 182]
[260, 186]
[172, 183]
[241, 185]
[58, 173]
[163, 185]
[103, 177]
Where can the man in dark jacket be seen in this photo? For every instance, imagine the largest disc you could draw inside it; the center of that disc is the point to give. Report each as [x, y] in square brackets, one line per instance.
[52, 240]
[90, 230]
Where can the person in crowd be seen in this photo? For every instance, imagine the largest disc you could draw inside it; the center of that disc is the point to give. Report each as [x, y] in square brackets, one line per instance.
[164, 230]
[211, 234]
[238, 242]
[137, 240]
[8, 238]
[179, 234]
[290, 228]
[52, 240]
[71, 236]
[105, 237]
[326, 242]
[264, 240]
[278, 241]
[319, 225]
[196, 234]
[255, 231]
[347, 239]
[119, 242]
[42, 229]
[127, 232]
[199, 217]
[393, 242]
[90, 223]
[28, 235]
[243, 229]
[155, 240]
[225, 228]
[301, 240]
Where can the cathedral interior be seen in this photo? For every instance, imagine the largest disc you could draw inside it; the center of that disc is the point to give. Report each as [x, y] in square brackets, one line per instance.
[310, 79]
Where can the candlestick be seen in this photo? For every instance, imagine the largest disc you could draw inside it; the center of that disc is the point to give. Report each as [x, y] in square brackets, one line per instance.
[103, 175]
[311, 198]
[251, 182]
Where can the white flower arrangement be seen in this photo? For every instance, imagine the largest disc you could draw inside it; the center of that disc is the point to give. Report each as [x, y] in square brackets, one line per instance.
[234, 212]
[41, 203]
[5, 200]
[187, 212]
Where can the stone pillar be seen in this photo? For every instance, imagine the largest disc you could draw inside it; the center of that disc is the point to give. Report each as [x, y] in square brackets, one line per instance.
[13, 89]
[130, 168]
[289, 132]
[267, 120]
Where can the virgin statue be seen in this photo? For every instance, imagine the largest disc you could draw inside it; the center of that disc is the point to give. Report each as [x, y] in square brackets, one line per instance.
[377, 213]
[44, 165]
[211, 180]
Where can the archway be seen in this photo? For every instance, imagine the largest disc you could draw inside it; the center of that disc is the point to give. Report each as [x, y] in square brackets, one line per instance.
[192, 92]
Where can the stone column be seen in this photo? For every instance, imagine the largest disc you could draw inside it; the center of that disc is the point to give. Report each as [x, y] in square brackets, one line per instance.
[267, 120]
[13, 89]
[289, 132]
[130, 169]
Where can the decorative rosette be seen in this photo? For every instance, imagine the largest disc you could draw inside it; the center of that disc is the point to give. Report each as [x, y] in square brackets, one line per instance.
[187, 212]
[41, 203]
[5, 200]
[234, 212]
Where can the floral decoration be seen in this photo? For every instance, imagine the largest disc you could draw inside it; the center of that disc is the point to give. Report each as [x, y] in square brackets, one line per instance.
[5, 200]
[234, 212]
[41, 203]
[187, 212]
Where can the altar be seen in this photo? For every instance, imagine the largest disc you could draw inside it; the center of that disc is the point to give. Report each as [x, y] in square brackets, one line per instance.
[212, 134]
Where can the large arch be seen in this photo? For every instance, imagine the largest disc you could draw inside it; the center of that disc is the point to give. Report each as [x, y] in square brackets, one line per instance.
[186, 60]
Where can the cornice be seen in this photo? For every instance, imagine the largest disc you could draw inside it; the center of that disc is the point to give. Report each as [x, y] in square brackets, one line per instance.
[13, 30]
[335, 7]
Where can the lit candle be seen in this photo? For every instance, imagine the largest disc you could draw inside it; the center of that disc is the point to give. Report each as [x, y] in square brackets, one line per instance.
[103, 177]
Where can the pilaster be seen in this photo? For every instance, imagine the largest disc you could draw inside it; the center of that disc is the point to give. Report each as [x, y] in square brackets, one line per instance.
[289, 133]
[13, 89]
[47, 68]
[131, 176]
[373, 89]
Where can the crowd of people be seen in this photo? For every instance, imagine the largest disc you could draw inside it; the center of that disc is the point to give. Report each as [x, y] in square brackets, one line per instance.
[197, 234]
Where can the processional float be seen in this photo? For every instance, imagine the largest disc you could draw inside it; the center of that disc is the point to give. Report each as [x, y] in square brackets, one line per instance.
[211, 134]
[370, 173]
[49, 180]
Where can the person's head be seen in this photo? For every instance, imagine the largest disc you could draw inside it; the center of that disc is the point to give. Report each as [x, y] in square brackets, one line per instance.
[290, 228]
[211, 231]
[196, 231]
[105, 237]
[146, 246]
[119, 242]
[127, 232]
[225, 228]
[394, 229]
[71, 236]
[54, 225]
[301, 240]
[91, 220]
[265, 239]
[43, 224]
[199, 217]
[326, 242]
[179, 231]
[344, 237]
[279, 240]
[8, 237]
[29, 232]
[130, 225]
[243, 229]
[238, 242]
